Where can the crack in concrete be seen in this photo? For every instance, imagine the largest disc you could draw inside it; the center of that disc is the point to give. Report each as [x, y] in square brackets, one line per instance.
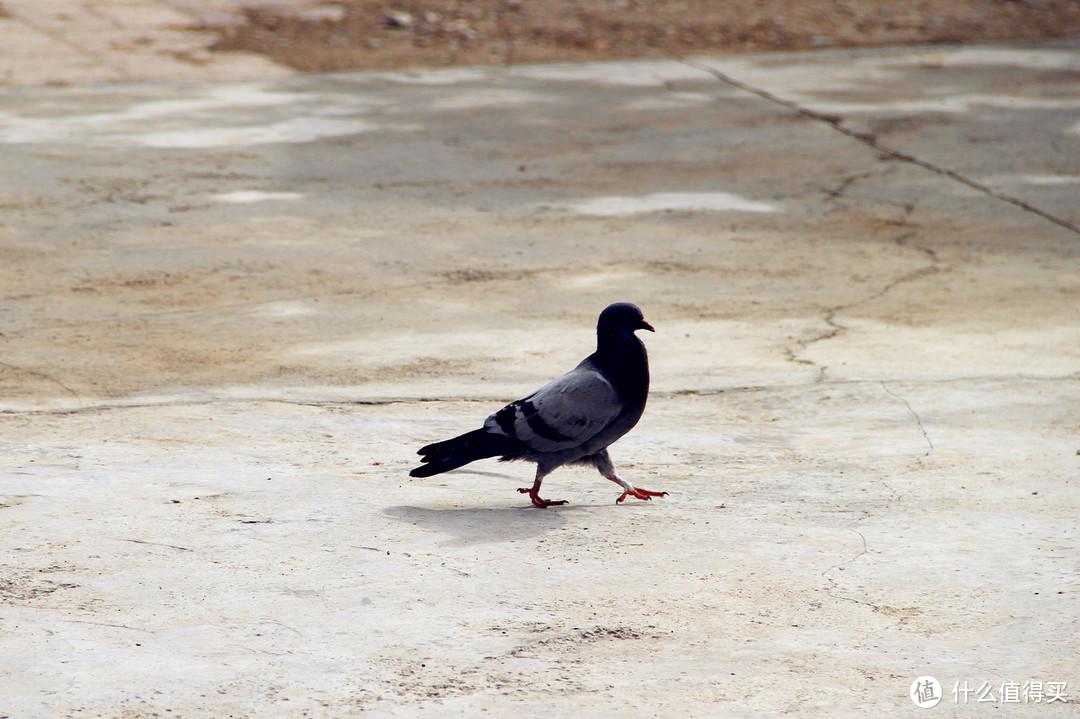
[833, 193]
[106, 624]
[904, 240]
[836, 328]
[918, 419]
[834, 585]
[706, 392]
[384, 401]
[366, 402]
[46, 377]
[158, 544]
[871, 140]
[109, 406]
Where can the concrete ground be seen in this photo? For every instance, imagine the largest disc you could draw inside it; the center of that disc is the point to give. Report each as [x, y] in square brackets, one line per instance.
[233, 310]
[63, 42]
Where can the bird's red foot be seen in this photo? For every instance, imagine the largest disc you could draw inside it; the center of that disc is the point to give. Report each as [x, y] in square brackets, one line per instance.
[541, 503]
[640, 494]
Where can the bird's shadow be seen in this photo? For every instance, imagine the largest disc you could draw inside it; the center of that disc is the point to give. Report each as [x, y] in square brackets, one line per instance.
[487, 524]
[483, 525]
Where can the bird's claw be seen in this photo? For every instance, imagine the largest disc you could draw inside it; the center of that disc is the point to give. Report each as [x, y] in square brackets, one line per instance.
[541, 503]
[640, 494]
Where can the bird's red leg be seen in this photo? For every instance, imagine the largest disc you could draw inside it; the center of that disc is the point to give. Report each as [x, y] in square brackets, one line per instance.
[632, 491]
[534, 494]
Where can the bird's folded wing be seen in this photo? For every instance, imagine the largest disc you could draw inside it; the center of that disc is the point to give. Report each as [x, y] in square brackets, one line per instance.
[565, 413]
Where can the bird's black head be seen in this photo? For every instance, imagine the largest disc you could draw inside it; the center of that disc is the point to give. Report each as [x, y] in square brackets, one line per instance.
[621, 317]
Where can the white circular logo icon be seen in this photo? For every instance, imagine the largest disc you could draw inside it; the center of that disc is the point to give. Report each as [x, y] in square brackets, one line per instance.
[925, 692]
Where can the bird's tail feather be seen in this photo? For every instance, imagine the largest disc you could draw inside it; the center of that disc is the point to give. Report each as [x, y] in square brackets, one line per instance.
[457, 452]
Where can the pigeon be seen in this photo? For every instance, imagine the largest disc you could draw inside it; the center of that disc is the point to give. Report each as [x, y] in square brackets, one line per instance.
[571, 420]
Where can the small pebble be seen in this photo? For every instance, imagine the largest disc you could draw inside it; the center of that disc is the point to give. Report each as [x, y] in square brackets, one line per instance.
[397, 18]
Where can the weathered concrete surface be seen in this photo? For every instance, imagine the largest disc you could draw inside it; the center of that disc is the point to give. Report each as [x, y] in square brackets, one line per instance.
[63, 42]
[233, 311]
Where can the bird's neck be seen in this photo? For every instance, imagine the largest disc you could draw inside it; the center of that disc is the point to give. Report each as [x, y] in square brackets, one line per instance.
[623, 358]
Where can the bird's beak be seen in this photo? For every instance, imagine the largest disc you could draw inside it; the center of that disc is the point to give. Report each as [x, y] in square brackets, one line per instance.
[646, 326]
